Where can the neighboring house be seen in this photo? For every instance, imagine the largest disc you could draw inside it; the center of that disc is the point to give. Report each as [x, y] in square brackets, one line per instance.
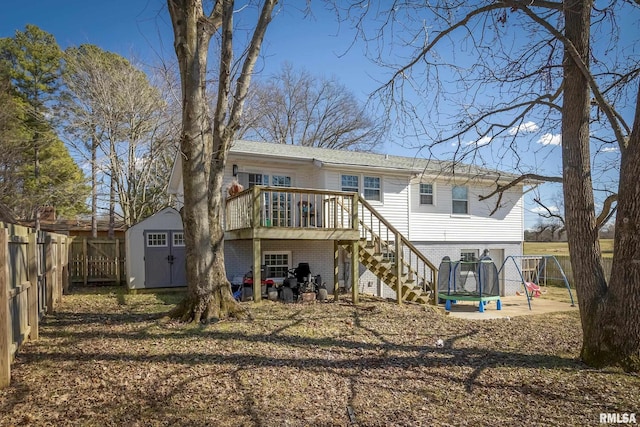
[349, 213]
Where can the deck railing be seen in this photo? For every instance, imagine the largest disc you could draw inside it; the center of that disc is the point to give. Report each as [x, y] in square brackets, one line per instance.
[287, 207]
[291, 208]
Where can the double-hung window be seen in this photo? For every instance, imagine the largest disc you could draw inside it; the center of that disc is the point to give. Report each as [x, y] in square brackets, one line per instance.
[372, 188]
[426, 194]
[350, 183]
[460, 200]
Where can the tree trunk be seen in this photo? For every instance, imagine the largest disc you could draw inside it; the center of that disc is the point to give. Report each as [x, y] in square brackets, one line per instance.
[608, 312]
[208, 290]
[624, 285]
[94, 186]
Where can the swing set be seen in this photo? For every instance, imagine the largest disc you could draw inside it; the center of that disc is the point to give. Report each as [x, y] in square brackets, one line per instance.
[536, 271]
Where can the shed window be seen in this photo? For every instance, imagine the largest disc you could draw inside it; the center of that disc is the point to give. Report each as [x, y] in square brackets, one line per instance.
[178, 239]
[156, 240]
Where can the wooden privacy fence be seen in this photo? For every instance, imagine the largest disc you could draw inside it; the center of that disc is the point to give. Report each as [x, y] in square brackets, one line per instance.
[97, 260]
[565, 263]
[33, 273]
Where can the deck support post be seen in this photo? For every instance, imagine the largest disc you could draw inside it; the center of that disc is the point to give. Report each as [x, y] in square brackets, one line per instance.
[336, 271]
[355, 270]
[257, 280]
[398, 259]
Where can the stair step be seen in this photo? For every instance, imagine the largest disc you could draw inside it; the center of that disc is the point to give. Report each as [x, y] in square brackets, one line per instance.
[383, 266]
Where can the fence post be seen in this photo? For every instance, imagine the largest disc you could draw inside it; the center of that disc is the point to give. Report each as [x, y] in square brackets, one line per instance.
[85, 261]
[5, 327]
[32, 293]
[58, 262]
[117, 261]
[48, 262]
[64, 255]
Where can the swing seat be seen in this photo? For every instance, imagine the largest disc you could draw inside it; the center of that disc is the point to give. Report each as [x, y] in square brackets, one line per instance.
[533, 289]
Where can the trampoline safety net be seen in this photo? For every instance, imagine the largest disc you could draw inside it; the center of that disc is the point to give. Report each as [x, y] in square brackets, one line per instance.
[477, 278]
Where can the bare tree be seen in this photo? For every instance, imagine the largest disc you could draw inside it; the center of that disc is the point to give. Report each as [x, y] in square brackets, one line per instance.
[295, 107]
[116, 119]
[205, 143]
[507, 87]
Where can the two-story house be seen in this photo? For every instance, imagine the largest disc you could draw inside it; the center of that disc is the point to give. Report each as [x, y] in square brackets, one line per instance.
[348, 214]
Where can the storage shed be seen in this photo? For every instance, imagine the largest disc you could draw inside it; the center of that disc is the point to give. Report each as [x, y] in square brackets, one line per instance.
[156, 252]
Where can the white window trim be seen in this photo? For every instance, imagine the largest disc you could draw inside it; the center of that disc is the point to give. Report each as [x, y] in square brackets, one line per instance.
[461, 215]
[350, 174]
[157, 233]
[173, 240]
[361, 188]
[287, 253]
[433, 194]
[380, 180]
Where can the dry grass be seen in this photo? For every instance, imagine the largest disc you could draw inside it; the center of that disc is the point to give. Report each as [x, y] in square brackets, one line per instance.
[561, 248]
[111, 359]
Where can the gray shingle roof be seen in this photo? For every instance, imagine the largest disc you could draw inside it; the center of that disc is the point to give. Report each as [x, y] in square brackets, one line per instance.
[398, 164]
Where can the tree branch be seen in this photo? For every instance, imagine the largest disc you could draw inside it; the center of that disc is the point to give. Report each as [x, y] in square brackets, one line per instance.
[502, 188]
[608, 210]
[584, 69]
[242, 88]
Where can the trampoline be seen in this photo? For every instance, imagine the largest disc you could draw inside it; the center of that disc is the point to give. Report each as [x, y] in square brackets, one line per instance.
[475, 280]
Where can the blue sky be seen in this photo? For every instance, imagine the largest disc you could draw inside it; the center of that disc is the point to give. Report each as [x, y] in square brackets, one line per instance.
[141, 28]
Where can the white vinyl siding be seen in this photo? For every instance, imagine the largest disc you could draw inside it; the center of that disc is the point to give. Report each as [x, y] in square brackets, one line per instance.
[437, 223]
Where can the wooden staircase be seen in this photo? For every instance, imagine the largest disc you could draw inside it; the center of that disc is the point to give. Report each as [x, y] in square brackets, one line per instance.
[410, 274]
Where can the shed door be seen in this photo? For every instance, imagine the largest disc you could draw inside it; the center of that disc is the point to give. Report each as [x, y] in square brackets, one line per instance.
[164, 255]
[178, 266]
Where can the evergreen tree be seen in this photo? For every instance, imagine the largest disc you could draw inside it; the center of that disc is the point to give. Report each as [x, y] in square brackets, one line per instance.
[41, 169]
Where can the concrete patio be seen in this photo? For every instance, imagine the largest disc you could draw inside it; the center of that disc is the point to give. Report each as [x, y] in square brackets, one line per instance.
[511, 306]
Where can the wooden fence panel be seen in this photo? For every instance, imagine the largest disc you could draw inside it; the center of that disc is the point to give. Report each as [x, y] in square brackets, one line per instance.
[5, 323]
[31, 278]
[97, 261]
[565, 263]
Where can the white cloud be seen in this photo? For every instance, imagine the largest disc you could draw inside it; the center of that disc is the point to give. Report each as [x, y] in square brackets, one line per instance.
[526, 127]
[540, 209]
[609, 149]
[550, 139]
[482, 141]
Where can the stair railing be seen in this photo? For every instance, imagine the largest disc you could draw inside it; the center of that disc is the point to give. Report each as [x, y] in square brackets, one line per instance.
[410, 263]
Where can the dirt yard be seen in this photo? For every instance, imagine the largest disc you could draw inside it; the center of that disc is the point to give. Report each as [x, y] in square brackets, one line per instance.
[111, 359]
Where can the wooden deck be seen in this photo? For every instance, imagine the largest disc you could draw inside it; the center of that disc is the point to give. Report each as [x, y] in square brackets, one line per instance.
[291, 213]
[287, 213]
